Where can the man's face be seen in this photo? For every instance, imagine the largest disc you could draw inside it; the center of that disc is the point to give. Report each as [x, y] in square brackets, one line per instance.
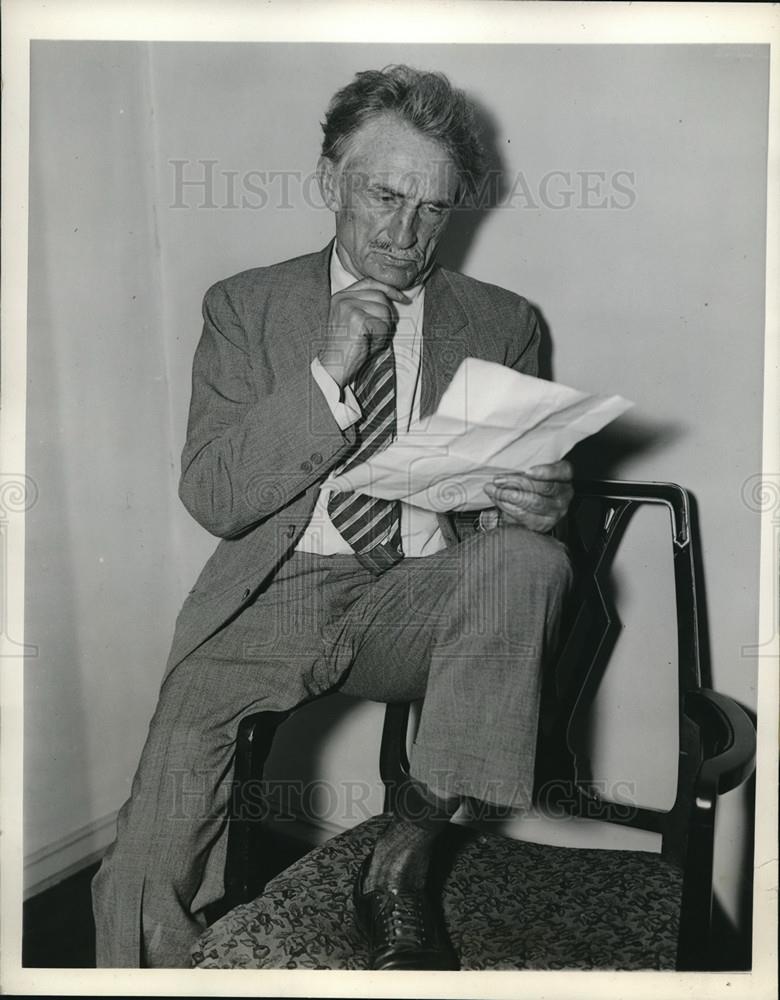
[392, 192]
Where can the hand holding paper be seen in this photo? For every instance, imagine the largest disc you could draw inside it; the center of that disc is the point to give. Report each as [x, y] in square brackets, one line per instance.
[491, 420]
[536, 499]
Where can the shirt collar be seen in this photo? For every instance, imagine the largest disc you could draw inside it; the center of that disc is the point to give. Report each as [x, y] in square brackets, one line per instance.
[341, 278]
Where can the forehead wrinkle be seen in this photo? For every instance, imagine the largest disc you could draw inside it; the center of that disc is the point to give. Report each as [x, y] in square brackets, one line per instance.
[376, 138]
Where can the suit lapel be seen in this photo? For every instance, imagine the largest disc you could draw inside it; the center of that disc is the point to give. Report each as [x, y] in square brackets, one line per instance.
[445, 342]
[305, 308]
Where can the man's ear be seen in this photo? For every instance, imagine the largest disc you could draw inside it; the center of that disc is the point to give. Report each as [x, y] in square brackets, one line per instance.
[328, 180]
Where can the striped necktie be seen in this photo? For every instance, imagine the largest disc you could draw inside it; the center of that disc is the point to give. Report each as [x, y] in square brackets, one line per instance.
[370, 525]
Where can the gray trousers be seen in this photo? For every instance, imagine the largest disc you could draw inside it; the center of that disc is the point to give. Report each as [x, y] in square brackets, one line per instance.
[466, 630]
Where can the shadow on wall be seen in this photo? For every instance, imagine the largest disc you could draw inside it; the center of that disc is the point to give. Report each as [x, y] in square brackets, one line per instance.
[595, 458]
[469, 216]
[601, 456]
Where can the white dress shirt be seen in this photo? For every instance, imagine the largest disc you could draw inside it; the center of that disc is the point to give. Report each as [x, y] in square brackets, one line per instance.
[420, 533]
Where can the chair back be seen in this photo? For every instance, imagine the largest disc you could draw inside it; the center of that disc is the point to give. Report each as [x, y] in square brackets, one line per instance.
[597, 521]
[594, 527]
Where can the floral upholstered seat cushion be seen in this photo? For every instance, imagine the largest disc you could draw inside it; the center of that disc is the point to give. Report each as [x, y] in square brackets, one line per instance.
[508, 905]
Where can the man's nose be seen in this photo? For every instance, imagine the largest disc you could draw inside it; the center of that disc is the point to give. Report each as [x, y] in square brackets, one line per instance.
[403, 228]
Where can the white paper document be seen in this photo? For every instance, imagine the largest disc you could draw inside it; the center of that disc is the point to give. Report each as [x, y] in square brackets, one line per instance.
[491, 420]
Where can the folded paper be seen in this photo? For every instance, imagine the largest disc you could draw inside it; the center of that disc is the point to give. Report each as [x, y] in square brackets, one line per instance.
[491, 420]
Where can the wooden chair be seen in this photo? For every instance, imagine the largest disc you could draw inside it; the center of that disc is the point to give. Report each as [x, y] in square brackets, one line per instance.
[511, 904]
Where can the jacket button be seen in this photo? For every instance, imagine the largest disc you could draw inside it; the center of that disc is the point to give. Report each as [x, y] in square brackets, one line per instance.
[290, 530]
[316, 458]
[306, 466]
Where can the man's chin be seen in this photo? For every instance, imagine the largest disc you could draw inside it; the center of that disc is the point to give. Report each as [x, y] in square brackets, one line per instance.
[397, 274]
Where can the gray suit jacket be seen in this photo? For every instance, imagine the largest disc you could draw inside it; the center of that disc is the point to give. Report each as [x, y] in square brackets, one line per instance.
[261, 437]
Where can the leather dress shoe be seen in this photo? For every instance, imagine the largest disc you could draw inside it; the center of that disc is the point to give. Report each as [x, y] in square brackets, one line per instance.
[404, 928]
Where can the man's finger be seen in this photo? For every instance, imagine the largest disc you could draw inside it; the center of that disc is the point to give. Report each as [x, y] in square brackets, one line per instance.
[371, 283]
[360, 296]
[379, 331]
[560, 471]
[529, 484]
[524, 500]
[381, 310]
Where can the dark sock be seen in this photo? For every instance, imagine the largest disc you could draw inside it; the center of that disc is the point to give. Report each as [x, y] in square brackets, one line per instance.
[402, 854]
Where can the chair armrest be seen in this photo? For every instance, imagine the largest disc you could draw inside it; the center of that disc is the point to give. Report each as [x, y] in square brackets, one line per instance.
[729, 748]
[729, 731]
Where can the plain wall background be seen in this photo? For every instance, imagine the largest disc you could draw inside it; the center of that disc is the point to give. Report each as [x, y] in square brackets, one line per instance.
[661, 301]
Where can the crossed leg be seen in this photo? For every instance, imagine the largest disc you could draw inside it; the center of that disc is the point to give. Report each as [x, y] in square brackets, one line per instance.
[465, 629]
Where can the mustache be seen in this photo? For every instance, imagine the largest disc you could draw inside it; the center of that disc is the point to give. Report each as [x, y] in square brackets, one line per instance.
[384, 247]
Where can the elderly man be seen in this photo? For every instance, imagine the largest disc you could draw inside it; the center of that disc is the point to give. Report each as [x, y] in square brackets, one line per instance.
[305, 368]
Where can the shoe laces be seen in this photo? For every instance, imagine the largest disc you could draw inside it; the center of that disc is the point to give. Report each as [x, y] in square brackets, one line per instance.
[402, 917]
